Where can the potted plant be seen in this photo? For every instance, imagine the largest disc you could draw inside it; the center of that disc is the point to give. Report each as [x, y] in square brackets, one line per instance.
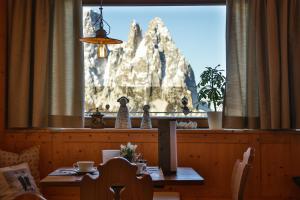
[128, 151]
[211, 90]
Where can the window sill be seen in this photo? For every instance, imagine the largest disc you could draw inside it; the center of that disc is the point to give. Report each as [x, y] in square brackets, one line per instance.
[148, 131]
[136, 121]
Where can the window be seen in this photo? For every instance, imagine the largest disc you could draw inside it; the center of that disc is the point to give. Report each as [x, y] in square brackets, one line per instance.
[165, 50]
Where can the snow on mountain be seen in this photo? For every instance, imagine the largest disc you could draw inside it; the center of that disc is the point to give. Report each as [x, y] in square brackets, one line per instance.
[148, 69]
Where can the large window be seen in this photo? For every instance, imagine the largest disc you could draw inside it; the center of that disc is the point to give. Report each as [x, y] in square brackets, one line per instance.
[165, 50]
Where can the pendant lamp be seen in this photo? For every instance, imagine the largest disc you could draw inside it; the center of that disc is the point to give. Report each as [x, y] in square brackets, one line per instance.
[101, 38]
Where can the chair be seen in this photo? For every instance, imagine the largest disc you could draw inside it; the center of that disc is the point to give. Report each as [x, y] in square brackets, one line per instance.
[240, 174]
[117, 178]
[29, 196]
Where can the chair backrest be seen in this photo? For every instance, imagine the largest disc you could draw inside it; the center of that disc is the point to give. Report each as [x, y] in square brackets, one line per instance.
[240, 174]
[117, 180]
[29, 196]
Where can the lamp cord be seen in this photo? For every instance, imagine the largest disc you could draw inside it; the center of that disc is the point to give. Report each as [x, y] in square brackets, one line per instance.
[102, 20]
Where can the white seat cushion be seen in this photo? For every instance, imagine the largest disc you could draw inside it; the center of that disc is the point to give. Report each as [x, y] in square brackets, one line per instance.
[166, 196]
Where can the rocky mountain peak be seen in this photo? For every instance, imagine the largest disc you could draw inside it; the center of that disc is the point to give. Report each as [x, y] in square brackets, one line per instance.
[156, 23]
[89, 18]
[134, 38]
[148, 69]
[157, 32]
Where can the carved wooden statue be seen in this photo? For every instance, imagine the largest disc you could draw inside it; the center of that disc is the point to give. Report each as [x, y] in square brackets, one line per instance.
[123, 118]
[146, 120]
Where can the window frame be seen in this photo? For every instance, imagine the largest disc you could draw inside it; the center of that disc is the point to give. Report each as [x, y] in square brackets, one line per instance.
[153, 2]
[203, 120]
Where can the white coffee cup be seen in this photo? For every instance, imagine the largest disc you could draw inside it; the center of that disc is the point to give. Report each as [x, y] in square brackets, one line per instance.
[84, 166]
[141, 168]
[109, 154]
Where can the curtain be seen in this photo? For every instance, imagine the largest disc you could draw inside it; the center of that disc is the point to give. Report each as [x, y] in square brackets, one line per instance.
[45, 73]
[263, 48]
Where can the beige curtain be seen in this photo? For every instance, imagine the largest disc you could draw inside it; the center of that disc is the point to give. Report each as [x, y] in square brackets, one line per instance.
[45, 74]
[263, 64]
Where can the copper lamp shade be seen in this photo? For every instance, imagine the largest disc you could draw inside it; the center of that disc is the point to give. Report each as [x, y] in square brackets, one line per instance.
[101, 38]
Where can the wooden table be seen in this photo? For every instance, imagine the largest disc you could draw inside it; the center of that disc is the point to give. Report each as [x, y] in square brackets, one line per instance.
[184, 176]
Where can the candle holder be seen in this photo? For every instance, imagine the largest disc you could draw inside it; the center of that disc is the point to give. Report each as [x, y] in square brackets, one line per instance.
[97, 120]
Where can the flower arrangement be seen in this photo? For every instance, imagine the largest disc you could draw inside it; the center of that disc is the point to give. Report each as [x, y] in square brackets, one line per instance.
[128, 151]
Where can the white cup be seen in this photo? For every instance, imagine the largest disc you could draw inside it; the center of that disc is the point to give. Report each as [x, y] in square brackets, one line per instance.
[109, 154]
[84, 166]
[141, 168]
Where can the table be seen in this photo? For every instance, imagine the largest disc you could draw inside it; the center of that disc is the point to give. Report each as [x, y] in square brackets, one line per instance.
[184, 176]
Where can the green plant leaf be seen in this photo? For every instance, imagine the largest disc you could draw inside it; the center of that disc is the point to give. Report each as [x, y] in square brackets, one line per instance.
[211, 87]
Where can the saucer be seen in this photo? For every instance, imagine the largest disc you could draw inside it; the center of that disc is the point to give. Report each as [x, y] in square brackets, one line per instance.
[93, 170]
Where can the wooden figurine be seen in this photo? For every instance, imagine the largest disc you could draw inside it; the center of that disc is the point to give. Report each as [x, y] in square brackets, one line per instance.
[146, 120]
[123, 118]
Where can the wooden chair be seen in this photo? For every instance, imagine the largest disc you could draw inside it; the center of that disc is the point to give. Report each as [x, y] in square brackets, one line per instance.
[117, 180]
[240, 174]
[29, 196]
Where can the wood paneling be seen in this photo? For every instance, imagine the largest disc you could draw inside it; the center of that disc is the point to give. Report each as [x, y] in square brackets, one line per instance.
[295, 163]
[211, 153]
[3, 55]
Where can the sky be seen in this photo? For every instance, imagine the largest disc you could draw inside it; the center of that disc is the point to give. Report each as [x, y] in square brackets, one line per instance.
[198, 31]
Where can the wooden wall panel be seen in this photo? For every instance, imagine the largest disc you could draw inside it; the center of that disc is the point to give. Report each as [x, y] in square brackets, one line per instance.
[3, 61]
[213, 161]
[275, 165]
[275, 168]
[295, 164]
[22, 141]
[211, 153]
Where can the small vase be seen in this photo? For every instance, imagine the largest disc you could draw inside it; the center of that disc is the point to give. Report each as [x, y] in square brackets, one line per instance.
[129, 158]
[214, 120]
